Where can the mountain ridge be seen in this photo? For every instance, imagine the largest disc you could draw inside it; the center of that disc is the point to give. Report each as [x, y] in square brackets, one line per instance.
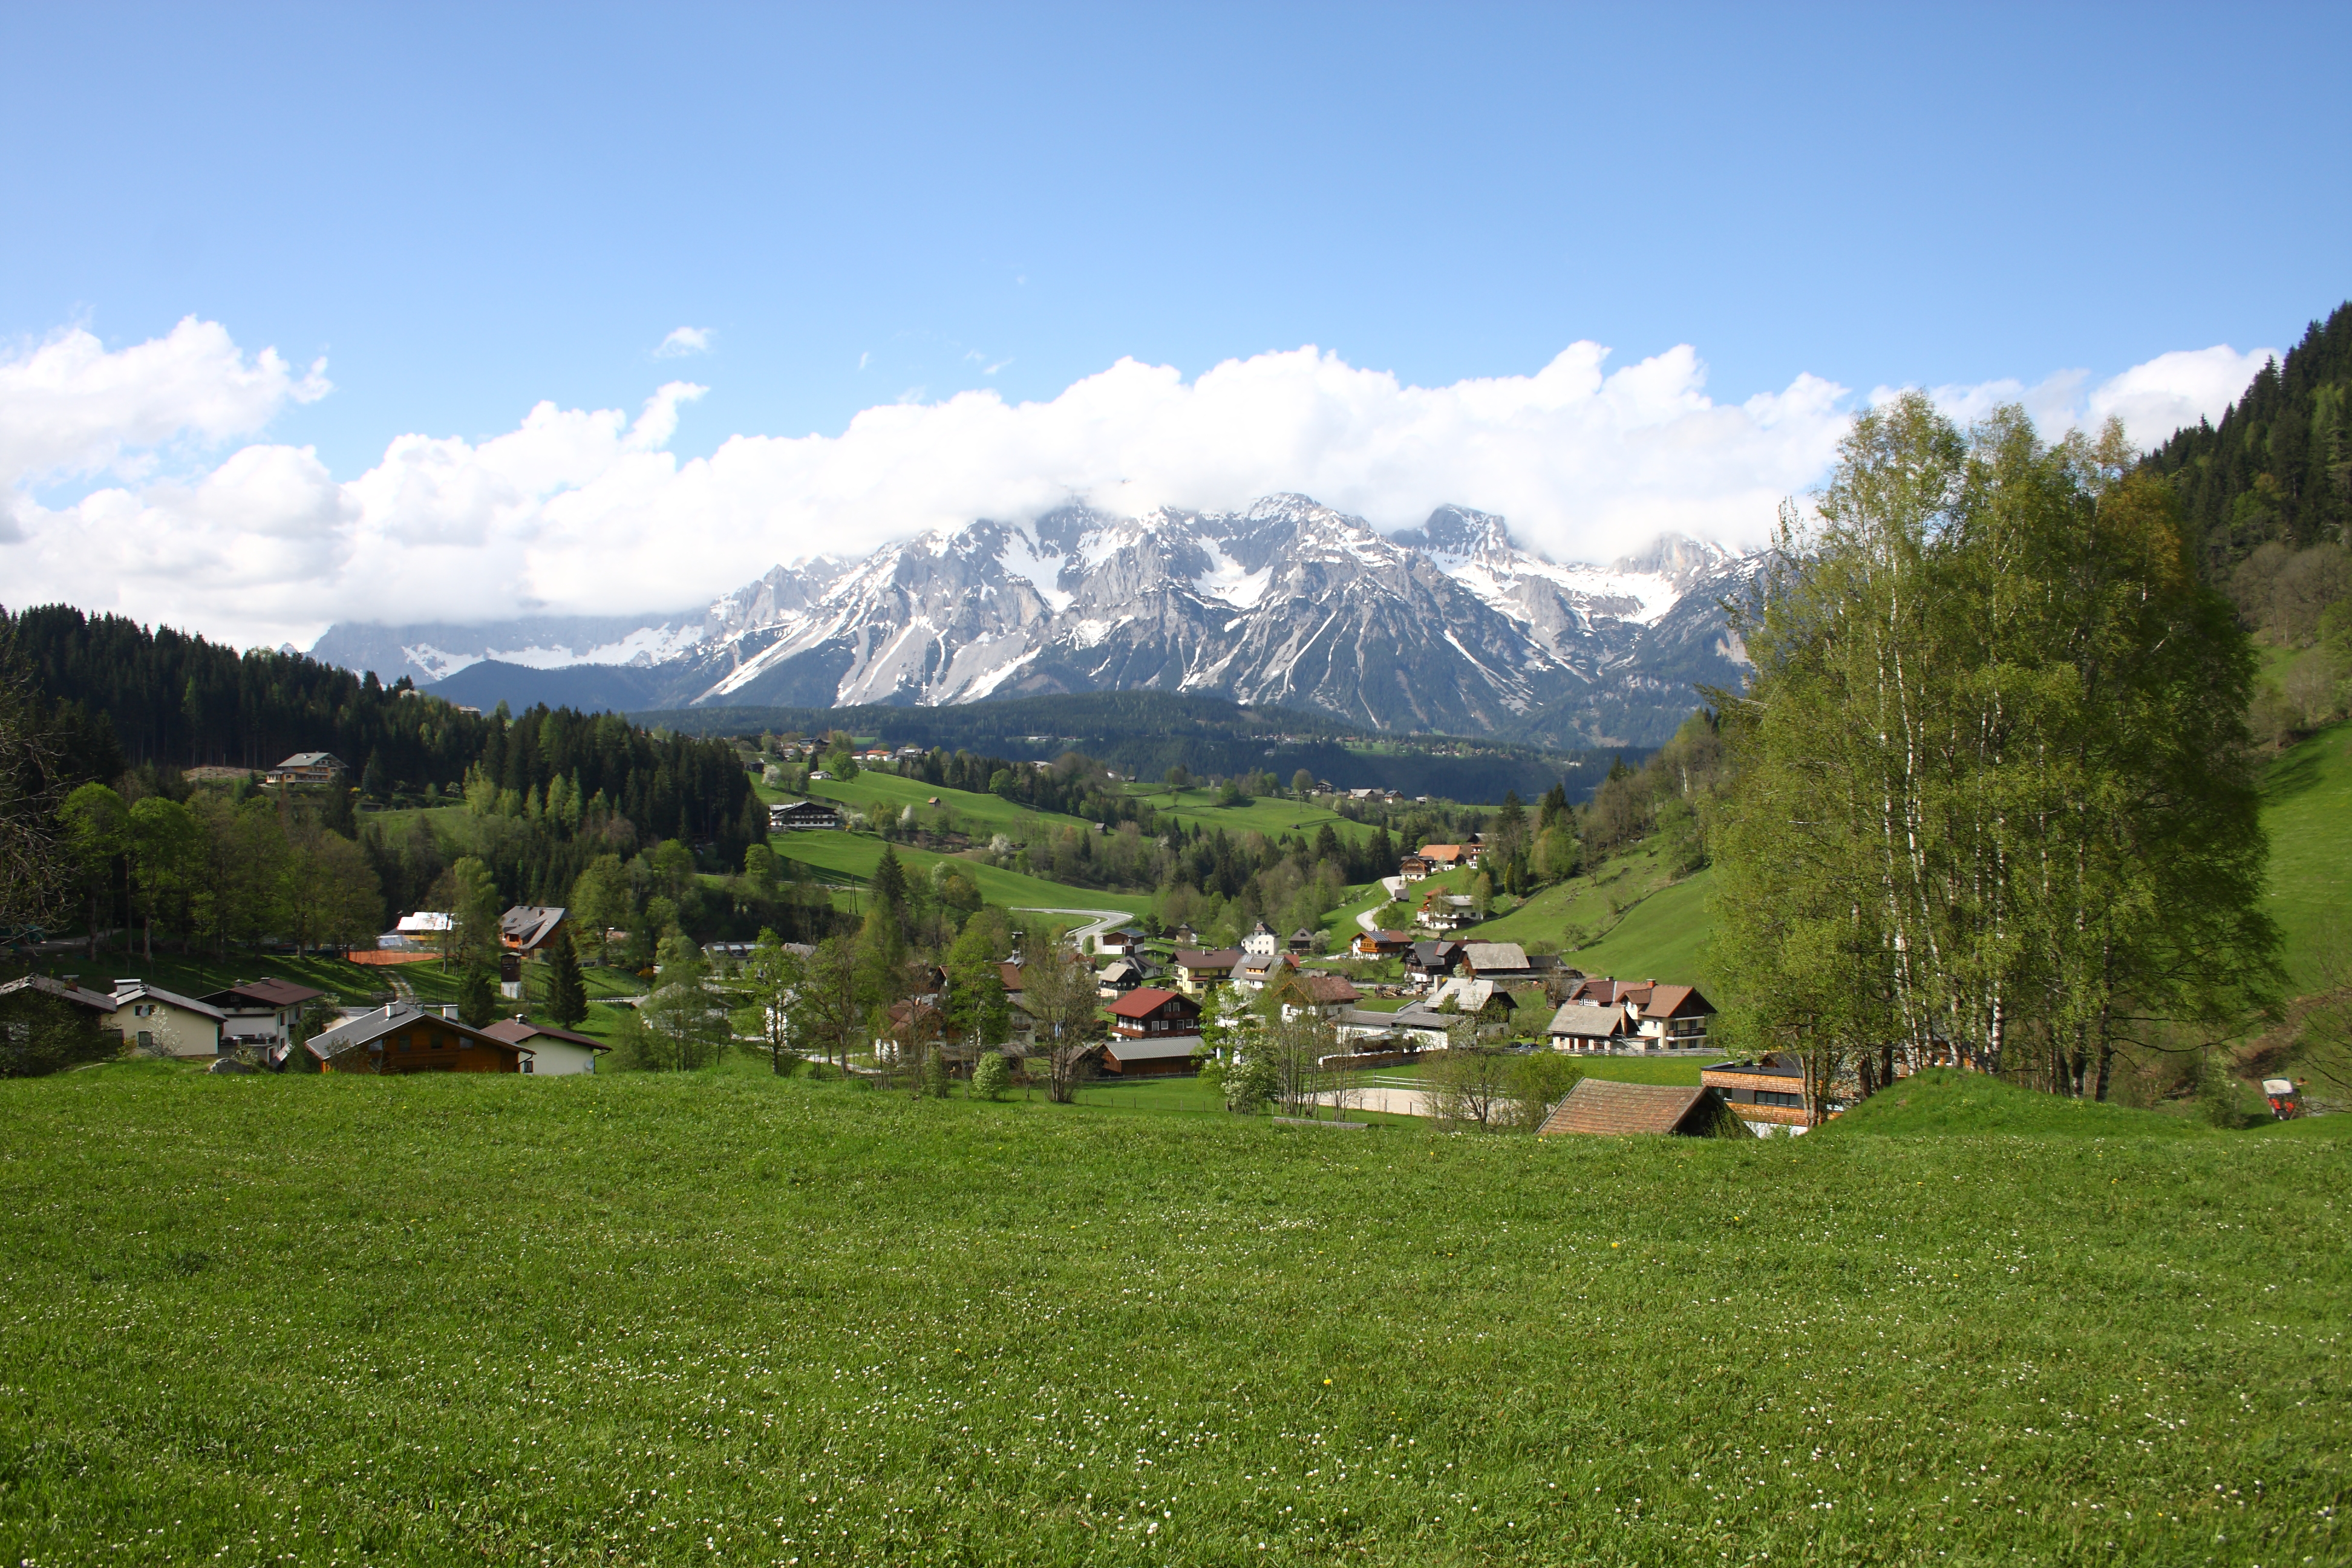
[1451, 626]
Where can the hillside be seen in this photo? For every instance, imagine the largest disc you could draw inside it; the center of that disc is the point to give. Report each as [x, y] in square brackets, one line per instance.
[2308, 810]
[719, 1318]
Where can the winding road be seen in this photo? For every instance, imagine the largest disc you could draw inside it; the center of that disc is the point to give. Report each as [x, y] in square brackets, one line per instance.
[1101, 921]
[1395, 886]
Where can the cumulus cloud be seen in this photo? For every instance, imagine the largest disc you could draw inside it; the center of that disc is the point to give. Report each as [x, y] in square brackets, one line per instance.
[685, 341]
[70, 408]
[2153, 400]
[587, 511]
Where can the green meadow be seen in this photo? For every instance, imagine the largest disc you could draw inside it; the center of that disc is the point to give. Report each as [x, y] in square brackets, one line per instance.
[725, 1317]
[2307, 807]
[978, 814]
[1198, 808]
[854, 856]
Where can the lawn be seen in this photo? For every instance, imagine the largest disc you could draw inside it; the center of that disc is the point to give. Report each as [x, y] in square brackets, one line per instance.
[724, 1318]
[854, 856]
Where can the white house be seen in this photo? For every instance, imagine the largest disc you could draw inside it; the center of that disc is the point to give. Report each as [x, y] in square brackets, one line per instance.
[1262, 942]
[159, 1022]
[548, 1051]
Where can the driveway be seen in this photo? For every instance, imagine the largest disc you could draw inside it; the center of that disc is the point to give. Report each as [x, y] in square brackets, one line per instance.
[1395, 889]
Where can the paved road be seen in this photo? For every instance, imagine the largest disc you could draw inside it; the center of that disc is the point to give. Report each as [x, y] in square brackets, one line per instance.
[1395, 886]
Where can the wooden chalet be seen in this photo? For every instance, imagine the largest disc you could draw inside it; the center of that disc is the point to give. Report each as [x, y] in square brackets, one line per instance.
[802, 816]
[528, 930]
[1150, 1011]
[1381, 944]
[1412, 868]
[1767, 1094]
[400, 1039]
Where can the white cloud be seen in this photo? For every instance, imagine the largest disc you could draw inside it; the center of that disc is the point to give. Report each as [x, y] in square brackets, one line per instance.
[588, 511]
[71, 408]
[685, 341]
[2153, 400]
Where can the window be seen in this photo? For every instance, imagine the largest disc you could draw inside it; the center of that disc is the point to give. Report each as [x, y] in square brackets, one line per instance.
[146, 1040]
[1773, 1097]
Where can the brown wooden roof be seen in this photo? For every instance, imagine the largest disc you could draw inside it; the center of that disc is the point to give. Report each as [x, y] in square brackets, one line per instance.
[1141, 1002]
[1598, 1105]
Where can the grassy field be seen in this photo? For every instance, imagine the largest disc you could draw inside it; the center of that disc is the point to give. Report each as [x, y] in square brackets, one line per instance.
[2307, 807]
[854, 856]
[714, 1319]
[1199, 808]
[979, 814]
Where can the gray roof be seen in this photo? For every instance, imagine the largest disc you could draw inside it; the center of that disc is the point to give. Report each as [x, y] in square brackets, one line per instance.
[76, 994]
[1585, 1021]
[139, 990]
[1150, 1048]
[370, 1027]
[531, 924]
[1483, 956]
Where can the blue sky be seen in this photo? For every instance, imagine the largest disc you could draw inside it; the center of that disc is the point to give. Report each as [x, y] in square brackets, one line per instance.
[467, 210]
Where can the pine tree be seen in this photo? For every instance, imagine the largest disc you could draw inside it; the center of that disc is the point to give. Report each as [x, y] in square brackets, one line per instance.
[478, 997]
[567, 991]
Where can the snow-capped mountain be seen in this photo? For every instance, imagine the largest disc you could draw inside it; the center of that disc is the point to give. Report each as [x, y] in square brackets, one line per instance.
[1451, 626]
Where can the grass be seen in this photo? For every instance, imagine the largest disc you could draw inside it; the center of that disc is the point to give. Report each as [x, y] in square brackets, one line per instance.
[1199, 808]
[724, 1318]
[855, 854]
[2308, 810]
[979, 814]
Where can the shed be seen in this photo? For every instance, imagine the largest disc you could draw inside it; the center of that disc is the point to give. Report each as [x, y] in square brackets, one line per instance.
[1158, 1056]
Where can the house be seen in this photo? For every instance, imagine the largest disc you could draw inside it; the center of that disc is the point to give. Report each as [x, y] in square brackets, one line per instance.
[399, 1039]
[1467, 996]
[1590, 1026]
[98, 1005]
[1196, 970]
[306, 768]
[1262, 942]
[1012, 976]
[1326, 995]
[163, 1023]
[527, 929]
[802, 816]
[1446, 857]
[425, 925]
[1123, 940]
[1153, 1011]
[1119, 977]
[1381, 944]
[548, 1051]
[1302, 941]
[260, 1012]
[1663, 1017]
[1257, 971]
[1413, 868]
[1598, 1106]
[1447, 912]
[1426, 960]
[1767, 1094]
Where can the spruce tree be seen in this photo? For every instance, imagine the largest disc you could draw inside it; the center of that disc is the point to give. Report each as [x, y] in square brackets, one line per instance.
[478, 996]
[567, 992]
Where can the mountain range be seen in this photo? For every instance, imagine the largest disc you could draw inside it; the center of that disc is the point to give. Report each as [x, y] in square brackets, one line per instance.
[1449, 627]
